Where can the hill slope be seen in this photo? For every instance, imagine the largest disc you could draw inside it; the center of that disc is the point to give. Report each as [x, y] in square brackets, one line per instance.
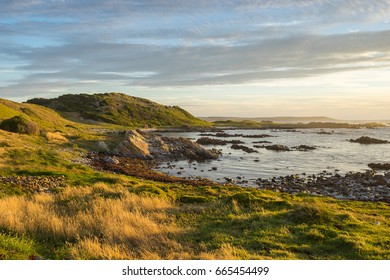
[121, 109]
[44, 117]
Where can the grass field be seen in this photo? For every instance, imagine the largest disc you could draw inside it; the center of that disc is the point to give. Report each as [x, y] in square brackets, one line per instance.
[98, 215]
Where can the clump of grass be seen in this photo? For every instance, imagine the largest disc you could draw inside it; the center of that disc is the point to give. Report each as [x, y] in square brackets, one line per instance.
[20, 124]
[55, 137]
[310, 213]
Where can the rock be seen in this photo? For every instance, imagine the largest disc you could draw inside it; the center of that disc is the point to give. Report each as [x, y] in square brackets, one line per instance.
[210, 141]
[258, 136]
[183, 148]
[379, 166]
[366, 186]
[228, 180]
[221, 134]
[244, 148]
[103, 146]
[213, 141]
[368, 140]
[108, 159]
[134, 145]
[303, 148]
[278, 148]
[35, 184]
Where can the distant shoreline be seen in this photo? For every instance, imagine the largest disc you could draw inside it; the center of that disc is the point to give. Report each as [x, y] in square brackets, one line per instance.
[287, 119]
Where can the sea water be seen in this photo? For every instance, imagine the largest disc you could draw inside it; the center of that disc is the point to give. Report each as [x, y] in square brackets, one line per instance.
[333, 153]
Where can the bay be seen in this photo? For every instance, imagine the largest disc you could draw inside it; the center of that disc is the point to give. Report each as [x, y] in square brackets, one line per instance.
[333, 154]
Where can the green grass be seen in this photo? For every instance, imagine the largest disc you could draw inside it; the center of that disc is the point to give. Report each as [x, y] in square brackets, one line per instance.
[231, 222]
[7, 112]
[186, 222]
[14, 247]
[288, 227]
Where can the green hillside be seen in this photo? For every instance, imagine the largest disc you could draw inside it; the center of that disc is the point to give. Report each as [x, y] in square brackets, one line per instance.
[46, 118]
[118, 108]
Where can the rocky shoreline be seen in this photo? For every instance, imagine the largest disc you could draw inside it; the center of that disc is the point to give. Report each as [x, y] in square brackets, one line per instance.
[367, 186]
[140, 153]
[140, 168]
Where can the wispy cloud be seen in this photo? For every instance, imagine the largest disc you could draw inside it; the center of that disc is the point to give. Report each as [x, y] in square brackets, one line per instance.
[65, 45]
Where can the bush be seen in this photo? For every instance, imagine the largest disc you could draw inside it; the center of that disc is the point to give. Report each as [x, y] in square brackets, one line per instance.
[20, 124]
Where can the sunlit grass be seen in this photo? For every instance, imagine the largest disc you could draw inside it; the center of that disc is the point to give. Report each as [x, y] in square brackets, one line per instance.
[96, 222]
[112, 216]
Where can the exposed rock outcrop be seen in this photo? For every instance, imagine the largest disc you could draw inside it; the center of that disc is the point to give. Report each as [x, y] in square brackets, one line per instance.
[244, 148]
[283, 148]
[213, 141]
[138, 144]
[134, 145]
[275, 147]
[368, 140]
[183, 148]
[379, 166]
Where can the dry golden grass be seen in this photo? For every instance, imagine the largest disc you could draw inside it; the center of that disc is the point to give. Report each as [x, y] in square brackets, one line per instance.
[55, 137]
[100, 222]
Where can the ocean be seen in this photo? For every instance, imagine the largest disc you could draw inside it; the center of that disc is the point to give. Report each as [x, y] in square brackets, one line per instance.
[333, 154]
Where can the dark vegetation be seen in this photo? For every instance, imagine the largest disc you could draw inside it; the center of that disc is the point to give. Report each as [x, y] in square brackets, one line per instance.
[20, 124]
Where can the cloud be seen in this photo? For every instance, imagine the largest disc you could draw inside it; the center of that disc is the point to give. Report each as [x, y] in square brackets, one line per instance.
[67, 44]
[300, 56]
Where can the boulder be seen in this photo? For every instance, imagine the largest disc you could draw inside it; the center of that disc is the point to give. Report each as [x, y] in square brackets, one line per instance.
[102, 146]
[183, 148]
[135, 145]
[112, 160]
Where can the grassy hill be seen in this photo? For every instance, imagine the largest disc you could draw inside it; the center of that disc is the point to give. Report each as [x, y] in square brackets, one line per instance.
[120, 109]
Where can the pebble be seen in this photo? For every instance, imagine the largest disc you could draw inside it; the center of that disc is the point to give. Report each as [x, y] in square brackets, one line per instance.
[35, 184]
[367, 186]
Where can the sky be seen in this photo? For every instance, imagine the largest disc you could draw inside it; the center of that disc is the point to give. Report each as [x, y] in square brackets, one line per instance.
[254, 58]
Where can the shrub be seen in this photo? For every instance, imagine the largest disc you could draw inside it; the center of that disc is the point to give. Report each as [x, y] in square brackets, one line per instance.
[20, 124]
